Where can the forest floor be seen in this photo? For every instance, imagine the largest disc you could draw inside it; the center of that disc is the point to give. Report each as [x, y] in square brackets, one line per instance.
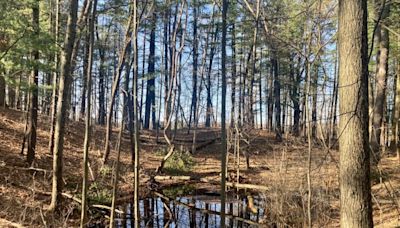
[280, 166]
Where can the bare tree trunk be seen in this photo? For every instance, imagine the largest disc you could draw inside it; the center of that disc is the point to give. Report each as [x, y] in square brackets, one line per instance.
[382, 37]
[223, 113]
[9, 92]
[144, 79]
[166, 71]
[62, 104]
[86, 143]
[233, 77]
[332, 111]
[260, 86]
[270, 98]
[2, 91]
[53, 107]
[84, 75]
[240, 98]
[397, 110]
[102, 84]
[314, 91]
[277, 98]
[136, 117]
[170, 96]
[193, 108]
[294, 95]
[34, 88]
[150, 90]
[209, 111]
[116, 80]
[116, 166]
[355, 188]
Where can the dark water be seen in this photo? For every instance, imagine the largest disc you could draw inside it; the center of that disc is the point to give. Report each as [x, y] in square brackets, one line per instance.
[197, 210]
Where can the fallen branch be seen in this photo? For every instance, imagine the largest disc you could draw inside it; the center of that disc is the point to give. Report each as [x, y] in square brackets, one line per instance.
[206, 211]
[206, 180]
[177, 141]
[71, 197]
[247, 186]
[99, 206]
[182, 178]
[66, 195]
[28, 169]
[7, 223]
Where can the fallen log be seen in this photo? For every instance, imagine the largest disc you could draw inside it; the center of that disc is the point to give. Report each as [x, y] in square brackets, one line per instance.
[176, 140]
[206, 180]
[181, 178]
[247, 186]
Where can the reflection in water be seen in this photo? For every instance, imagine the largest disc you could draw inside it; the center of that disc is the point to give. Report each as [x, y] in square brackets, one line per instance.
[193, 211]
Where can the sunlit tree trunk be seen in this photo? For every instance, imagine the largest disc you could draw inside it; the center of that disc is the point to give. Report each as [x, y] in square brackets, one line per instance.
[223, 113]
[136, 145]
[397, 115]
[116, 166]
[62, 104]
[144, 79]
[54, 78]
[88, 116]
[84, 75]
[355, 188]
[193, 108]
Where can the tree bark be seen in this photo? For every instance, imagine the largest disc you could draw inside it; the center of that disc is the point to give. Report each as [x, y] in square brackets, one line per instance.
[136, 145]
[223, 113]
[355, 188]
[382, 39]
[102, 84]
[193, 108]
[34, 84]
[86, 143]
[116, 167]
[84, 76]
[144, 79]
[294, 95]
[53, 103]
[62, 104]
[314, 91]
[277, 97]
[209, 111]
[233, 77]
[270, 98]
[150, 90]
[2, 91]
[397, 110]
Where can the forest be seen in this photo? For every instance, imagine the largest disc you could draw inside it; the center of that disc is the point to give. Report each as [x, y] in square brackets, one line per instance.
[200, 113]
